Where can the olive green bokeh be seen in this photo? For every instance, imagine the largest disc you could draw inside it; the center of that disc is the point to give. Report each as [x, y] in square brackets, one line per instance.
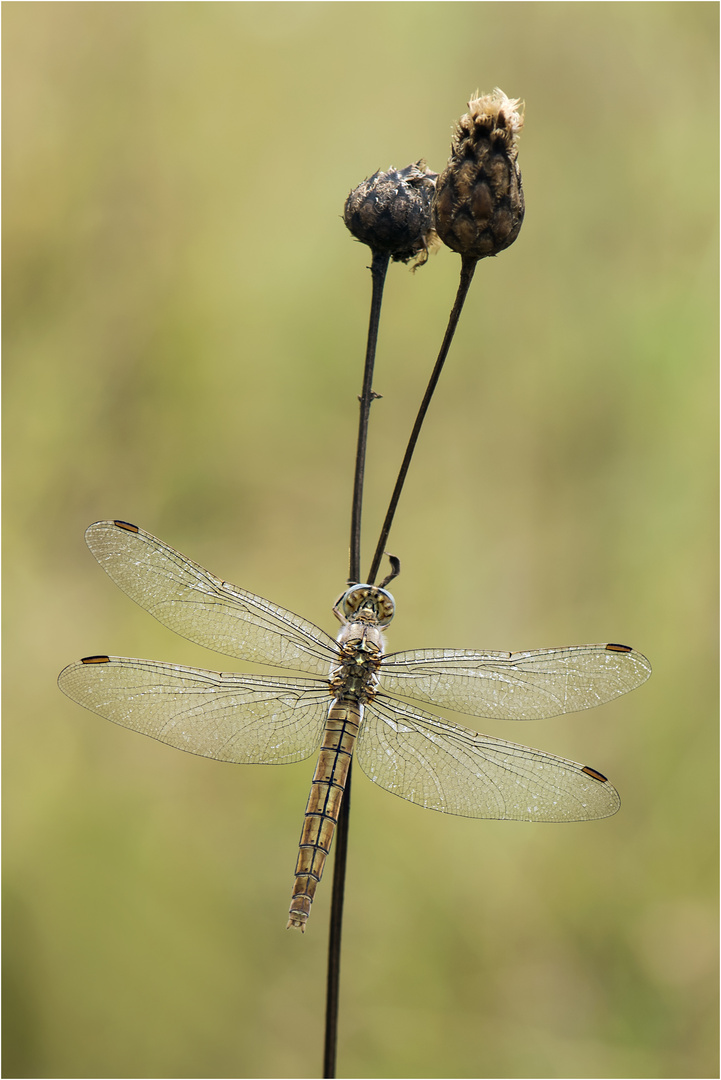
[185, 317]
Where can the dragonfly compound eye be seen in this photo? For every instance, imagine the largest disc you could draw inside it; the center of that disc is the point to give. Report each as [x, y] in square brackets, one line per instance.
[371, 599]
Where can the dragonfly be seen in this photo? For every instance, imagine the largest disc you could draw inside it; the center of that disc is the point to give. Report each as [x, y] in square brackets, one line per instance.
[354, 705]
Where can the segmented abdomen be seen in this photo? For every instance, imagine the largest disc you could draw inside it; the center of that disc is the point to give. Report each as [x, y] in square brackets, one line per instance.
[324, 801]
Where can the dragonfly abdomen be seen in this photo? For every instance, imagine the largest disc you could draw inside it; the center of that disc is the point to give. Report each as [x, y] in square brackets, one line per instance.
[324, 801]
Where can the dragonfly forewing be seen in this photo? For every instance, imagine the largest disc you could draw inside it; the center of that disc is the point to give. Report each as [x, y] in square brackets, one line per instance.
[247, 719]
[516, 686]
[202, 607]
[442, 766]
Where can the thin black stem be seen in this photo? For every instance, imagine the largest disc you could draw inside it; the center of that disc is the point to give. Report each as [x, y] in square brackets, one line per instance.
[379, 268]
[336, 927]
[467, 268]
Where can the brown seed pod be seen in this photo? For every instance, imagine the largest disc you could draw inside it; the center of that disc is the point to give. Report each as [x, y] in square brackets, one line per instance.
[391, 212]
[478, 206]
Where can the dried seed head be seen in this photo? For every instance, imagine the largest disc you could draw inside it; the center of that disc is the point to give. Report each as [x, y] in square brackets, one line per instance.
[478, 205]
[391, 212]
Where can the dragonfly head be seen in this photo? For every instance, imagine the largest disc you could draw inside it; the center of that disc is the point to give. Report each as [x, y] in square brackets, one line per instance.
[366, 603]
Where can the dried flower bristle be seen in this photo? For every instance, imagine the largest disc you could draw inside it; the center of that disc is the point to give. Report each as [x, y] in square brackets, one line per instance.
[391, 212]
[478, 205]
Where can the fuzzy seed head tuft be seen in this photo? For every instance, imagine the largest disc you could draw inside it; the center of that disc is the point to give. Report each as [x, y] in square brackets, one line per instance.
[391, 212]
[478, 205]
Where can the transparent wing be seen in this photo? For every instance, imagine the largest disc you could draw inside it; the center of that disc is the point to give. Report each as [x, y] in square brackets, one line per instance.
[249, 719]
[203, 608]
[445, 767]
[516, 686]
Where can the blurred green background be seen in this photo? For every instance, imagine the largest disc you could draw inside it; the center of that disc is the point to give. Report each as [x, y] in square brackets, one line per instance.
[185, 319]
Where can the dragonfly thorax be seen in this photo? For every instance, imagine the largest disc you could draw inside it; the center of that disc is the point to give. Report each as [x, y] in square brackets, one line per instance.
[360, 654]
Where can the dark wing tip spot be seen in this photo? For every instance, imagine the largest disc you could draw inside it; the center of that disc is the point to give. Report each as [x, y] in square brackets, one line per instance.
[619, 648]
[127, 526]
[595, 774]
[95, 660]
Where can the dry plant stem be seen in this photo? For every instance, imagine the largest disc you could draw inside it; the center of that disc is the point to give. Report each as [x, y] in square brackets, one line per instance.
[468, 266]
[336, 926]
[379, 268]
